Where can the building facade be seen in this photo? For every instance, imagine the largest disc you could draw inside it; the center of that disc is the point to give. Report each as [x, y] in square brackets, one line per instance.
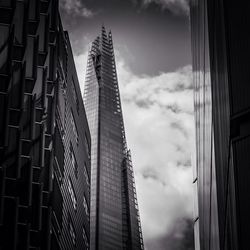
[44, 138]
[220, 48]
[114, 217]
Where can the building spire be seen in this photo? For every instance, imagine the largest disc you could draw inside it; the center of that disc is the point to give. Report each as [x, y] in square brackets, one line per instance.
[103, 32]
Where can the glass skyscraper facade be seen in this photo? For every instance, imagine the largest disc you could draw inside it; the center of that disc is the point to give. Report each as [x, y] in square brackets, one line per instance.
[44, 135]
[221, 51]
[205, 209]
[114, 216]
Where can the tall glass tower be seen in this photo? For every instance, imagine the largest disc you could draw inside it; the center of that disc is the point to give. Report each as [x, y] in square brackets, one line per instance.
[114, 216]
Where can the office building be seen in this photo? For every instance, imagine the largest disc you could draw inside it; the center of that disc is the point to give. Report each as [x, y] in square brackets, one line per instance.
[44, 139]
[221, 52]
[114, 217]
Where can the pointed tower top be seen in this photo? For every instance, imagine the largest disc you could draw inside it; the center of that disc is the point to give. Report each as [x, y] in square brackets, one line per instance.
[103, 28]
[103, 32]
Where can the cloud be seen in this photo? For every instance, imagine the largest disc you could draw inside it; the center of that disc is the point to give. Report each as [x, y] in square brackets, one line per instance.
[181, 237]
[76, 8]
[170, 91]
[158, 117]
[178, 7]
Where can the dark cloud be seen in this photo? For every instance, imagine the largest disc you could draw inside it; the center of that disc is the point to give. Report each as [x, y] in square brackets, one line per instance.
[76, 8]
[174, 108]
[177, 7]
[150, 173]
[184, 163]
[144, 103]
[180, 86]
[150, 40]
[181, 237]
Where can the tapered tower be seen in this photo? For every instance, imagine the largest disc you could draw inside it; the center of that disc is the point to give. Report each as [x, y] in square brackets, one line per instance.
[114, 217]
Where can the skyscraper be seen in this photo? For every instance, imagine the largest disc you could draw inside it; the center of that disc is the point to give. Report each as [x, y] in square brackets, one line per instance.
[221, 52]
[114, 216]
[44, 135]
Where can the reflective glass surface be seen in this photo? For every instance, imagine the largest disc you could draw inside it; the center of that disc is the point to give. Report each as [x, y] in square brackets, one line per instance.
[111, 216]
[220, 47]
[207, 218]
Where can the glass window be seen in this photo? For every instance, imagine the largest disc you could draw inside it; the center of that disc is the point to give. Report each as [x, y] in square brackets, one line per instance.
[74, 94]
[61, 100]
[51, 60]
[4, 31]
[71, 230]
[196, 235]
[86, 173]
[74, 127]
[87, 145]
[73, 161]
[42, 33]
[195, 194]
[30, 56]
[32, 10]
[72, 193]
[85, 204]
[85, 238]
[18, 20]
[26, 116]
[38, 88]
[16, 87]
[49, 106]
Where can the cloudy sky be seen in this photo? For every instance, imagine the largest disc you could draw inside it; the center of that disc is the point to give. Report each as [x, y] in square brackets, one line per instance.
[152, 49]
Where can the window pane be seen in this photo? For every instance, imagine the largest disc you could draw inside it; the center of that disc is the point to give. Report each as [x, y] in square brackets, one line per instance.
[73, 161]
[72, 193]
[32, 9]
[30, 56]
[16, 86]
[4, 31]
[85, 204]
[42, 33]
[38, 86]
[18, 20]
[26, 117]
[74, 127]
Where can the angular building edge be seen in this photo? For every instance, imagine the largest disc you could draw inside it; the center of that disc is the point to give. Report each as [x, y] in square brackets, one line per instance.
[221, 51]
[45, 140]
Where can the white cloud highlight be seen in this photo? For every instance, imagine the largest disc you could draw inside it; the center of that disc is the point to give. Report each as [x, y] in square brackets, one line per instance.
[158, 117]
[176, 6]
[76, 8]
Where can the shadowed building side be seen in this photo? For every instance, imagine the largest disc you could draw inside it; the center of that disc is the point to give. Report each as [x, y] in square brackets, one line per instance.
[44, 139]
[221, 51]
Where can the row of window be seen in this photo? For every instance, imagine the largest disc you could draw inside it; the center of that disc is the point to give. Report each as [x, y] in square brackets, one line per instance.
[75, 165]
[74, 199]
[75, 132]
[73, 89]
[76, 135]
[73, 160]
[72, 233]
[72, 193]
